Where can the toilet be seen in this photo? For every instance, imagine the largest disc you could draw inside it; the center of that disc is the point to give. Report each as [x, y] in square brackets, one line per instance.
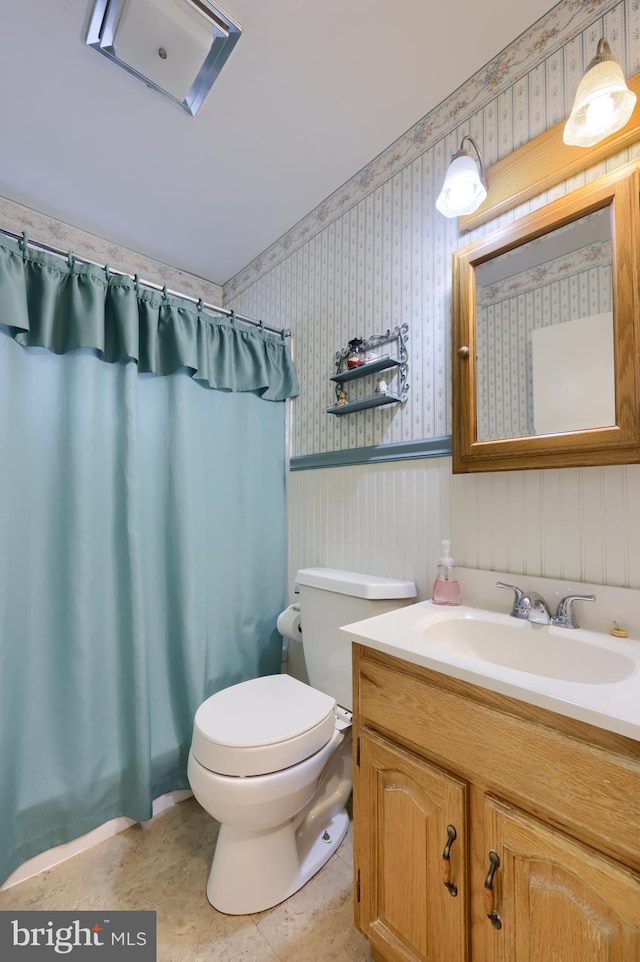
[270, 757]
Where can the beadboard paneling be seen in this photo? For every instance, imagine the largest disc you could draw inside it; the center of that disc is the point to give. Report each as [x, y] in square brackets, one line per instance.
[575, 524]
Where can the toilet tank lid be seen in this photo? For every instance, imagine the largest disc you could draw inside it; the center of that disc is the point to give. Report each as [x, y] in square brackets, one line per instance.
[355, 584]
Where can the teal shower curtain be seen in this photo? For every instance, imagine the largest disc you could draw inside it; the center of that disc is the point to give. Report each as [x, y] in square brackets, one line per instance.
[142, 538]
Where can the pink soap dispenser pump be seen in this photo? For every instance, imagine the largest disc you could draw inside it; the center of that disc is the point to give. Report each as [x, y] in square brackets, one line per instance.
[446, 590]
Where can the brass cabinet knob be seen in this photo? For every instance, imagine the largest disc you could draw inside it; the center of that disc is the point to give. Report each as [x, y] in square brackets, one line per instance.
[463, 352]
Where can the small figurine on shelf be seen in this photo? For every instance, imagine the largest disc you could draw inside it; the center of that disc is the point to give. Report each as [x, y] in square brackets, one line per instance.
[355, 357]
[382, 387]
[342, 398]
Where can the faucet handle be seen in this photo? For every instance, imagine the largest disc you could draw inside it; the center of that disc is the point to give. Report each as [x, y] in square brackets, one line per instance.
[565, 617]
[518, 610]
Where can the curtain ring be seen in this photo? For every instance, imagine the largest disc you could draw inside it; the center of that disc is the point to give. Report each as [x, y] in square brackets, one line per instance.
[232, 317]
[71, 259]
[107, 272]
[23, 242]
[165, 299]
[136, 280]
[199, 305]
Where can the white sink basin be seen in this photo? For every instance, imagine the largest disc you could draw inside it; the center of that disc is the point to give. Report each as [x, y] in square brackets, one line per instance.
[583, 674]
[562, 653]
[559, 653]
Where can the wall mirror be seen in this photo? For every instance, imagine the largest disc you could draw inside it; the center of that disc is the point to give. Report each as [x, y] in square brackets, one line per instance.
[545, 335]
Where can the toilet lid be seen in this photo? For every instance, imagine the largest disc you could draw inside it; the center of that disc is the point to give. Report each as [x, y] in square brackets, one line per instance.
[262, 725]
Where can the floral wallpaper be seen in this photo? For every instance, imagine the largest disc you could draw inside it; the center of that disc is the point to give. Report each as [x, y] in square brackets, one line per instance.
[504, 348]
[595, 255]
[524, 64]
[55, 233]
[377, 254]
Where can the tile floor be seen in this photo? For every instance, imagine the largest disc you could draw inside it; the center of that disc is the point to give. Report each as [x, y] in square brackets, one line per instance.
[163, 865]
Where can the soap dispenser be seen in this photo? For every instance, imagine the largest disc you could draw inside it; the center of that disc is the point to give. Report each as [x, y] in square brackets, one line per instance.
[446, 590]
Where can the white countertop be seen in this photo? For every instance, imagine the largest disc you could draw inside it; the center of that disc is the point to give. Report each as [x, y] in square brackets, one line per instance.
[614, 706]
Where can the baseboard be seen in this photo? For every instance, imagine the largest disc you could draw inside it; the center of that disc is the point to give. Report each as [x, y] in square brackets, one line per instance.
[53, 856]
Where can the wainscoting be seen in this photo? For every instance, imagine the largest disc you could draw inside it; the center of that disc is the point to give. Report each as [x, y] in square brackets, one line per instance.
[579, 524]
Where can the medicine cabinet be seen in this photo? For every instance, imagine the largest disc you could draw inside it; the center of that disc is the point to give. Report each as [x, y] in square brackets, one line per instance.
[546, 345]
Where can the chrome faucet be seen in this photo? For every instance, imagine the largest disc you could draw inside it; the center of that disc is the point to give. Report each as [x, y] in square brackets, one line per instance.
[539, 612]
[532, 607]
[565, 616]
[528, 605]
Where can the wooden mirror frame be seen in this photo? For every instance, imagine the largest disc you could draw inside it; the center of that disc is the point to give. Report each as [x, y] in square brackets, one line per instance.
[618, 444]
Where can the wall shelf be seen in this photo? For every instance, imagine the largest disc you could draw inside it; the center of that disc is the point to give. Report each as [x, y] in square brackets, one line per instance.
[384, 363]
[375, 363]
[368, 401]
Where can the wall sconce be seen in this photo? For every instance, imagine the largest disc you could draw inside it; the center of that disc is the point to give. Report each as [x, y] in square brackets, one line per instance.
[603, 102]
[464, 186]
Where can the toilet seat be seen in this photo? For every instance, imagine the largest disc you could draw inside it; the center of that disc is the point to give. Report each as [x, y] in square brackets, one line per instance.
[261, 726]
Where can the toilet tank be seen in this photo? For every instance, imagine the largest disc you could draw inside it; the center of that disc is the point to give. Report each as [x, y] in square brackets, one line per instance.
[330, 598]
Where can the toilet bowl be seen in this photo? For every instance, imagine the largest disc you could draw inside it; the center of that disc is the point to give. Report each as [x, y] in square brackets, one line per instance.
[270, 757]
[281, 824]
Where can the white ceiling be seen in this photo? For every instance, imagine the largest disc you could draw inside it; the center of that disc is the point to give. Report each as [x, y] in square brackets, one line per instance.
[311, 93]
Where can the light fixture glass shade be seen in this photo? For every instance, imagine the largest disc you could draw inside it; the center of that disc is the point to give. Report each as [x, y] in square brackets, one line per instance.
[167, 43]
[603, 102]
[175, 47]
[463, 189]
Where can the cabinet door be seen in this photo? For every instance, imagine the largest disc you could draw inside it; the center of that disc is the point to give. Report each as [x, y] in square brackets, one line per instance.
[558, 900]
[403, 808]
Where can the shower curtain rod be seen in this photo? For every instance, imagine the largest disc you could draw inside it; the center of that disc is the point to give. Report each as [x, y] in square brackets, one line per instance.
[150, 284]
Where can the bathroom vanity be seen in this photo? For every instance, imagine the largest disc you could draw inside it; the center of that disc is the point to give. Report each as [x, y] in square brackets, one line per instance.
[487, 827]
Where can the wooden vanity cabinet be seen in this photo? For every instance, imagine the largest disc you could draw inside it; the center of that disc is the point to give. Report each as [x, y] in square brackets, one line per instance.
[537, 815]
[406, 806]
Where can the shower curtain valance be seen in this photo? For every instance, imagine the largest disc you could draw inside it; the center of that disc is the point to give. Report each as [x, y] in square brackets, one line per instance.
[61, 305]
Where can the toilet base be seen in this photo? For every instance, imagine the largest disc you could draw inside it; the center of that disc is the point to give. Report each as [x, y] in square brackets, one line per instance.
[255, 870]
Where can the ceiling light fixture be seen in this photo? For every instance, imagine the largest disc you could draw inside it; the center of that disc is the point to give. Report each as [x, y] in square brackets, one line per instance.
[176, 47]
[464, 186]
[603, 102]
